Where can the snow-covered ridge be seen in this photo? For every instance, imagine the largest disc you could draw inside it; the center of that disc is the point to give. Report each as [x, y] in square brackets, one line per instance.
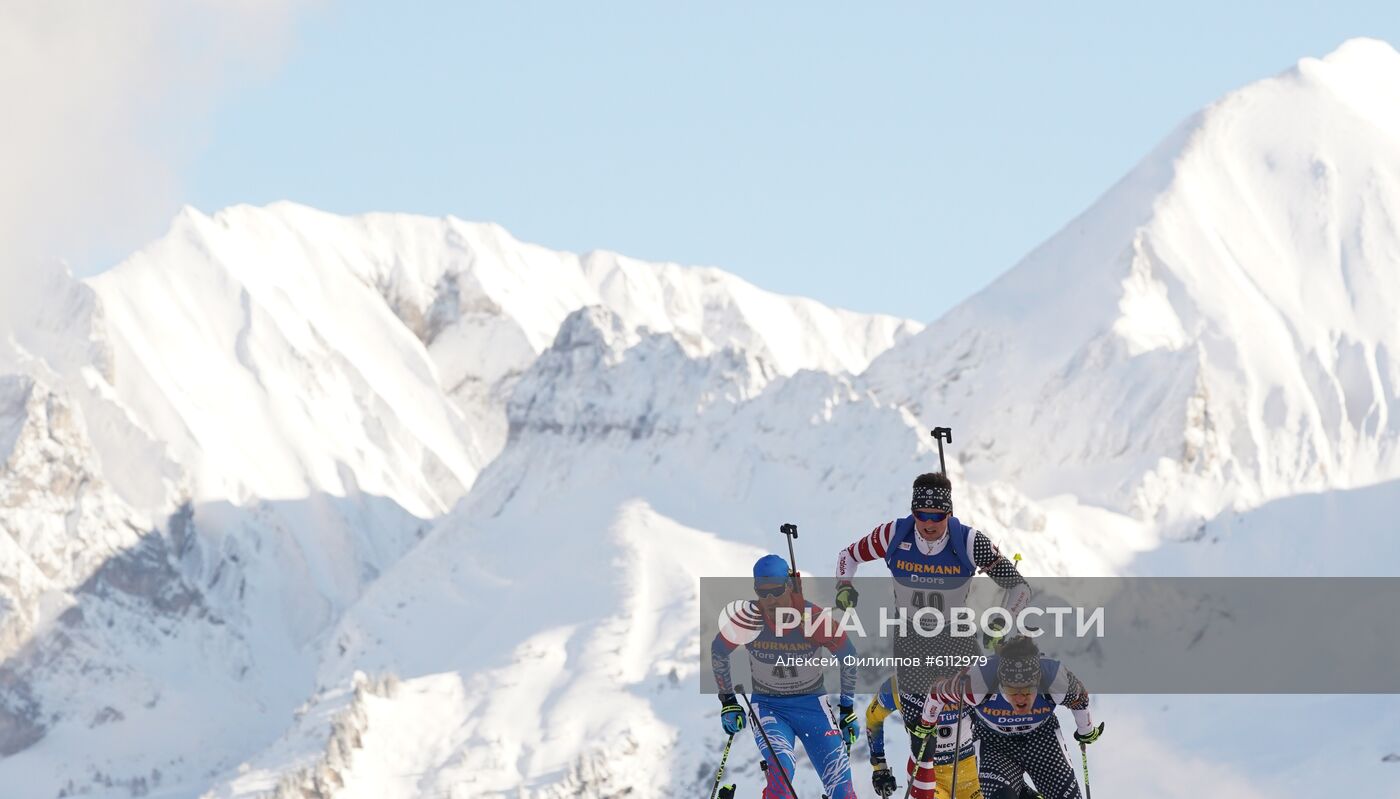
[1216, 331]
[600, 377]
[61, 521]
[327, 342]
[213, 451]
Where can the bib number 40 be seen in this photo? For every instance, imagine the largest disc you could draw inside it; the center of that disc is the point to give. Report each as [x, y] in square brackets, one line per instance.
[927, 599]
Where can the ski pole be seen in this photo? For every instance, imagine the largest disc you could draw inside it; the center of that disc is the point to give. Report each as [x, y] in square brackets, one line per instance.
[1084, 754]
[941, 434]
[918, 761]
[753, 714]
[957, 747]
[790, 531]
[724, 758]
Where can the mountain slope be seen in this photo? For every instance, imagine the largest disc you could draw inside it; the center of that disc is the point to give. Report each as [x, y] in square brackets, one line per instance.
[213, 451]
[544, 634]
[1216, 331]
[296, 349]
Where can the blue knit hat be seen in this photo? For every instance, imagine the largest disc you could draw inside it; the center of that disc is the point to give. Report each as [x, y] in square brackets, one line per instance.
[769, 570]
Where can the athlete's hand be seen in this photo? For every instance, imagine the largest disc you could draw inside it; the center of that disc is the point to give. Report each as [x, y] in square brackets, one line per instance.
[850, 727]
[1090, 736]
[881, 778]
[846, 596]
[731, 715]
[992, 636]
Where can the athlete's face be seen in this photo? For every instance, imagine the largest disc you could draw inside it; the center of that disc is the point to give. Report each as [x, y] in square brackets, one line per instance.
[931, 531]
[1021, 697]
[768, 600]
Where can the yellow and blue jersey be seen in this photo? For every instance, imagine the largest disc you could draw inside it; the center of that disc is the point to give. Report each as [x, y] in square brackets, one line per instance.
[887, 702]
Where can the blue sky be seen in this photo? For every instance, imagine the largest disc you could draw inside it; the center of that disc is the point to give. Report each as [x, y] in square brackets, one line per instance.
[894, 157]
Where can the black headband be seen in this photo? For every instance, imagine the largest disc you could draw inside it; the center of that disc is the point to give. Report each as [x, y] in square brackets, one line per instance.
[1019, 671]
[932, 497]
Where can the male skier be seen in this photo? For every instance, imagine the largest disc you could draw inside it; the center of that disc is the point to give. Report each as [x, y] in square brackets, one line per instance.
[932, 557]
[1013, 698]
[787, 683]
[885, 703]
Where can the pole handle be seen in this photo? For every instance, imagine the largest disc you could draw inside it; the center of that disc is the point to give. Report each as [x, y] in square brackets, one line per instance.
[941, 434]
[789, 530]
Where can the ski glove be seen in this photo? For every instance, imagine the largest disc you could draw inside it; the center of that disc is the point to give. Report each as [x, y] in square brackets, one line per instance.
[731, 715]
[993, 634]
[881, 779]
[1090, 736]
[850, 728]
[846, 596]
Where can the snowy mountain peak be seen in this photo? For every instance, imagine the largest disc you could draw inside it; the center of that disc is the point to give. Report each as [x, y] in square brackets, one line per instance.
[602, 377]
[376, 353]
[1222, 317]
[597, 331]
[1364, 74]
[1363, 60]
